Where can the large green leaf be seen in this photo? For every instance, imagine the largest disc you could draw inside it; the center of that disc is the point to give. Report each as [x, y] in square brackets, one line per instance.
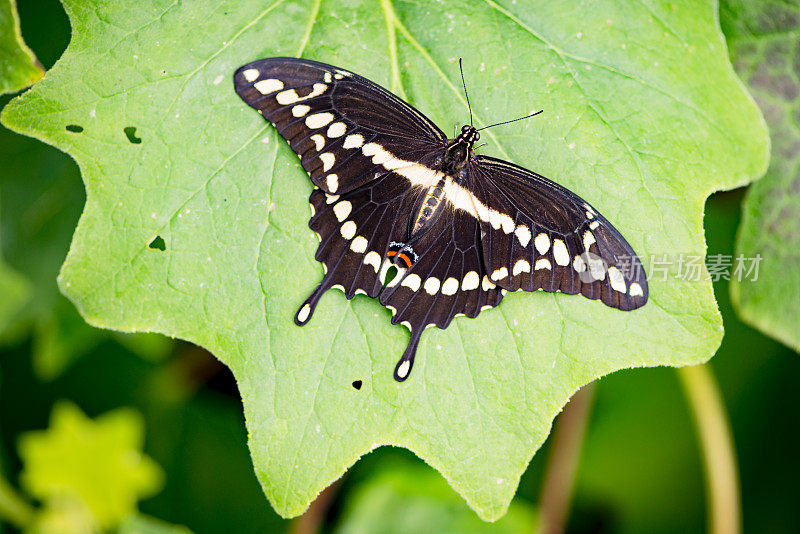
[644, 117]
[407, 497]
[41, 199]
[764, 40]
[18, 65]
[17, 70]
[94, 465]
[15, 289]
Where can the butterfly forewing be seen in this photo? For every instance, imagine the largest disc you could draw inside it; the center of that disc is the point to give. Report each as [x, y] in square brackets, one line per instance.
[343, 126]
[539, 235]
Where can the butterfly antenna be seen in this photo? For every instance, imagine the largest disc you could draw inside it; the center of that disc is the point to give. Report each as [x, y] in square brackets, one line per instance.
[465, 90]
[513, 120]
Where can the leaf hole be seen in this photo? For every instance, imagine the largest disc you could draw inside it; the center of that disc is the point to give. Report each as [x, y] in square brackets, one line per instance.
[391, 272]
[130, 133]
[357, 384]
[158, 243]
[74, 128]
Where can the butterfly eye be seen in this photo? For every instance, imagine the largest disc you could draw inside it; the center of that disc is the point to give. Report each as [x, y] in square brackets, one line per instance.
[465, 128]
[477, 136]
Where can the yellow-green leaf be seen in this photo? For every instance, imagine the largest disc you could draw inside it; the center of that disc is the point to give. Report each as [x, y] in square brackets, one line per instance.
[18, 65]
[97, 464]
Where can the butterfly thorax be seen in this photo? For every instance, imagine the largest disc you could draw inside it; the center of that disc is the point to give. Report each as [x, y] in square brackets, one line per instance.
[457, 152]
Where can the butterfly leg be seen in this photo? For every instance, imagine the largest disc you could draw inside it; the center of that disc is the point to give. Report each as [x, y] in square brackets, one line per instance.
[305, 312]
[403, 367]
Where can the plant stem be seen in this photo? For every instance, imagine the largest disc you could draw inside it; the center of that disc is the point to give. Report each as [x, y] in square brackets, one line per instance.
[13, 508]
[716, 441]
[562, 465]
[311, 521]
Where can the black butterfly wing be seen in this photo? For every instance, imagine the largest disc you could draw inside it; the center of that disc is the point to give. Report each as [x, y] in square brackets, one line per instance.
[355, 230]
[346, 129]
[539, 235]
[447, 279]
[358, 229]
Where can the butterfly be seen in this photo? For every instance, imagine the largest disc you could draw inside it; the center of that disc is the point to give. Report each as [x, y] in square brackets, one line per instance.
[394, 194]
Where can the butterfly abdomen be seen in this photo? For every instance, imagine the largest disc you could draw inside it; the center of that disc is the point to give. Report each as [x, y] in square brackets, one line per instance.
[431, 202]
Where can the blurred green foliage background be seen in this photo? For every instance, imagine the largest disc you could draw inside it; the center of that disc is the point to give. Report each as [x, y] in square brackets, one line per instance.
[640, 469]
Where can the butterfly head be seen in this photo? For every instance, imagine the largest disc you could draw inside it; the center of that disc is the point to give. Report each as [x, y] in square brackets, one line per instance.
[469, 135]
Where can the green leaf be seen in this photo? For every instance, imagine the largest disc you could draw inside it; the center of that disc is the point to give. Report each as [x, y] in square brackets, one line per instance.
[96, 464]
[631, 123]
[142, 524]
[15, 290]
[18, 65]
[17, 71]
[42, 198]
[764, 39]
[412, 498]
[63, 515]
[60, 338]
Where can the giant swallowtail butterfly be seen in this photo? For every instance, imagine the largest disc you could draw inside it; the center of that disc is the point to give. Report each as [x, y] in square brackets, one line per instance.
[393, 191]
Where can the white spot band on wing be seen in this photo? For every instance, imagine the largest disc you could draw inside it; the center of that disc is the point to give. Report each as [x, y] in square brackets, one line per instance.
[332, 181]
[412, 281]
[450, 286]
[250, 74]
[374, 259]
[342, 210]
[471, 281]
[290, 95]
[457, 196]
[268, 86]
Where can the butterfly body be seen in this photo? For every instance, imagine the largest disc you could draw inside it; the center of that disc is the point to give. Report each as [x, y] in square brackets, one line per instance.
[460, 229]
[452, 165]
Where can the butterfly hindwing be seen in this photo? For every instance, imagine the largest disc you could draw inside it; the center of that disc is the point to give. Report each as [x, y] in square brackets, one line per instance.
[539, 235]
[355, 230]
[340, 124]
[446, 279]
[360, 231]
